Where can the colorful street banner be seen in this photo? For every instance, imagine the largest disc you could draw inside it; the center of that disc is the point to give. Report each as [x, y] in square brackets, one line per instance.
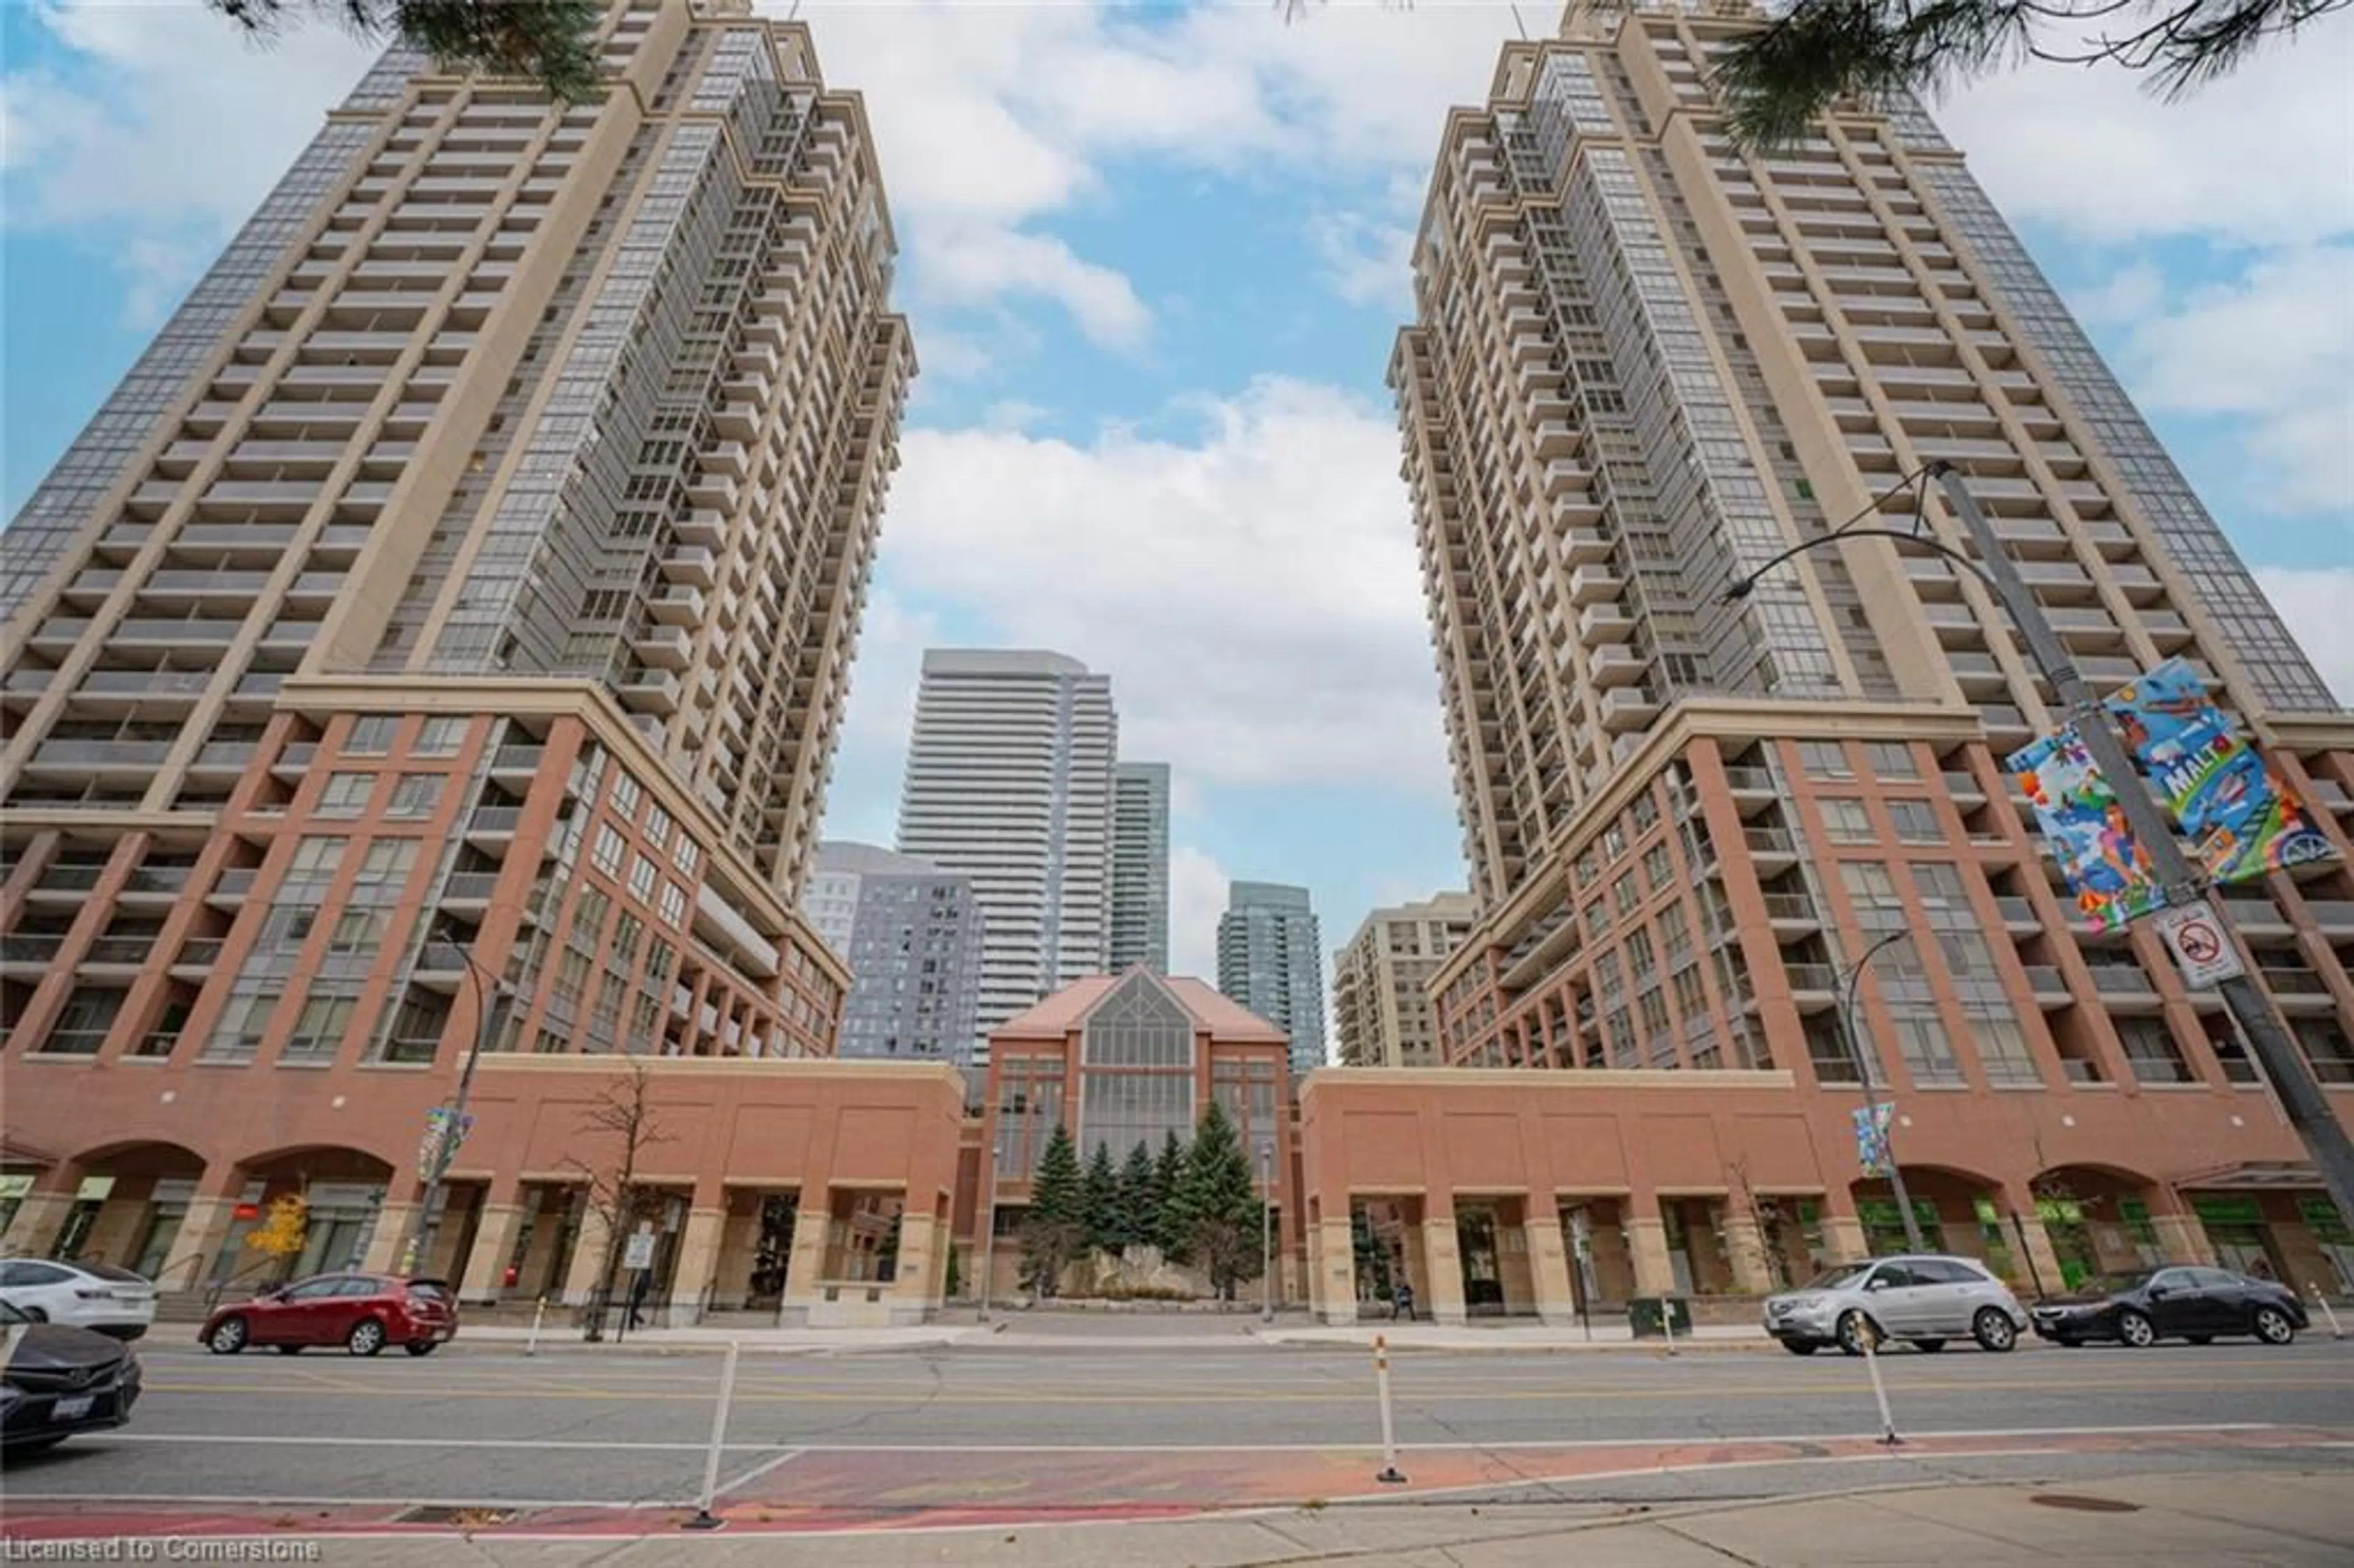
[1872, 1138]
[2110, 875]
[2243, 822]
[444, 1132]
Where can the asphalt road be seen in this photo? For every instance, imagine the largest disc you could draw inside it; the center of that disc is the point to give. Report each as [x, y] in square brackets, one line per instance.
[1183, 1427]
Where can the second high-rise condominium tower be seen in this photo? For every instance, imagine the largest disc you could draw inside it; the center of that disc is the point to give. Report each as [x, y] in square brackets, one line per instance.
[458, 598]
[1010, 782]
[1139, 867]
[1644, 364]
[1272, 959]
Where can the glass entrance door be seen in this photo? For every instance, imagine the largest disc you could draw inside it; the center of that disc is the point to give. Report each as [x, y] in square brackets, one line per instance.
[1483, 1283]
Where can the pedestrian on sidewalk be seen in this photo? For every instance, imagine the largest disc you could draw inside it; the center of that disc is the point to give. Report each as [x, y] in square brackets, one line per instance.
[638, 1290]
[1402, 1302]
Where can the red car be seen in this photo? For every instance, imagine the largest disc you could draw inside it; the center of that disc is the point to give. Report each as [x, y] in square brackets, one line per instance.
[361, 1312]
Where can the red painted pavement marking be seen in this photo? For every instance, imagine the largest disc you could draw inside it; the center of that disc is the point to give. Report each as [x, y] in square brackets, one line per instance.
[872, 1490]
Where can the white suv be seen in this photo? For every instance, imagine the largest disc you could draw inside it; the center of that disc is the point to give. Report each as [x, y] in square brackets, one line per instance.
[97, 1296]
[1925, 1298]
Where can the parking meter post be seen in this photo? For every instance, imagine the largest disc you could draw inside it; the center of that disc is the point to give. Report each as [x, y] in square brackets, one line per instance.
[1668, 1321]
[2326, 1309]
[1390, 1474]
[704, 1518]
[1879, 1390]
[538, 1314]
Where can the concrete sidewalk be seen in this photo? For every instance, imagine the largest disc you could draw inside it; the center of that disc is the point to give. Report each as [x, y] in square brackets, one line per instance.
[2294, 1519]
[555, 1339]
[1518, 1337]
[1022, 1331]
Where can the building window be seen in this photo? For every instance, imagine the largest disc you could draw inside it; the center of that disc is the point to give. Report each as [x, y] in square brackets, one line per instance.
[346, 795]
[1916, 822]
[83, 1022]
[2327, 1048]
[641, 879]
[416, 795]
[386, 861]
[1891, 759]
[1824, 759]
[319, 1028]
[1928, 1052]
[683, 855]
[673, 903]
[315, 859]
[628, 795]
[2151, 1051]
[2003, 1051]
[657, 828]
[441, 736]
[610, 846]
[1847, 823]
[371, 737]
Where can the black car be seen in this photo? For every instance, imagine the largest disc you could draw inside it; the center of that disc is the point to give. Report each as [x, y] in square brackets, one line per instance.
[2153, 1304]
[58, 1380]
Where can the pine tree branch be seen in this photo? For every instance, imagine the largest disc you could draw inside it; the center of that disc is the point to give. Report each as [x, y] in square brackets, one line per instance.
[551, 42]
[1776, 82]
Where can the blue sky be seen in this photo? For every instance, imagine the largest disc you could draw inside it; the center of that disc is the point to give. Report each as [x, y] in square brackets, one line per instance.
[1154, 261]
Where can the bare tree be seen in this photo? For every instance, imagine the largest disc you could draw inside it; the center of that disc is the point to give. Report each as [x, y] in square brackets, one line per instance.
[623, 1114]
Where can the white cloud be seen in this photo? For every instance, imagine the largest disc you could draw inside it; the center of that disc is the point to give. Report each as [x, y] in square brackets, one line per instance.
[169, 115]
[863, 801]
[2314, 601]
[2272, 351]
[155, 274]
[1366, 261]
[1197, 896]
[1255, 596]
[989, 118]
[978, 263]
[2258, 157]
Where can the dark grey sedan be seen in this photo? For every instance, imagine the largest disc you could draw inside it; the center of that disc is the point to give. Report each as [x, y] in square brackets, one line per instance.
[58, 1380]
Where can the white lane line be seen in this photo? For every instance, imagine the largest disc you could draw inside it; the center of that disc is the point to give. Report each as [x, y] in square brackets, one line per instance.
[1679, 1440]
[20, 1501]
[757, 1471]
[282, 1442]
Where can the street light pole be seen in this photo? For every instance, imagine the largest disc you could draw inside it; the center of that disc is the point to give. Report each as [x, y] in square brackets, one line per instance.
[1849, 983]
[2260, 1021]
[422, 1230]
[2300, 1096]
[1267, 1231]
[989, 1224]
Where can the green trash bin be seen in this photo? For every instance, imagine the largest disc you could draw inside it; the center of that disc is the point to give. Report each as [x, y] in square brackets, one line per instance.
[1650, 1317]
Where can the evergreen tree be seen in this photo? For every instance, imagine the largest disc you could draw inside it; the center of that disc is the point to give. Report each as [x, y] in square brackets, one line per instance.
[1055, 1227]
[1168, 1179]
[1099, 1201]
[1135, 1208]
[1217, 1206]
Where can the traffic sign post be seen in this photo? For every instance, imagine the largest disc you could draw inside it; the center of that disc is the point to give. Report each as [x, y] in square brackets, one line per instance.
[2200, 950]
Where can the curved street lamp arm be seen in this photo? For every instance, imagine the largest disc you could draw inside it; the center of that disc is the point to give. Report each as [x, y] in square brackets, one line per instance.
[1748, 585]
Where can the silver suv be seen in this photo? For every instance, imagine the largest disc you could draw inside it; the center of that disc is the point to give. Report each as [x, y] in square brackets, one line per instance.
[1926, 1298]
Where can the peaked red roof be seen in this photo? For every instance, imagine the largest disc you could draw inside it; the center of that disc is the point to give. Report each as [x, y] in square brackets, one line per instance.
[1068, 1009]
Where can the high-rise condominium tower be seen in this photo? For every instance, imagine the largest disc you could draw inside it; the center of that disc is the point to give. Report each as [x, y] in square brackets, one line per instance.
[1380, 981]
[912, 935]
[1139, 867]
[461, 590]
[1010, 782]
[1272, 959]
[1644, 363]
